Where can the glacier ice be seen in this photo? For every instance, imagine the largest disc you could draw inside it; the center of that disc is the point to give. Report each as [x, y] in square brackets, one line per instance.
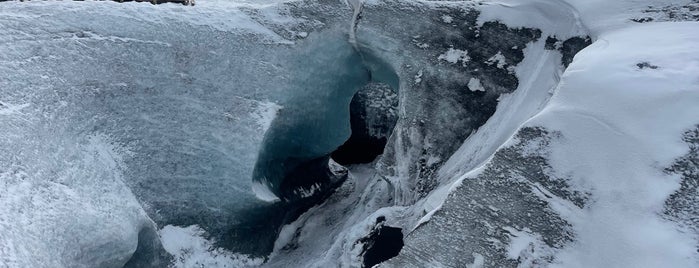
[136, 135]
[315, 119]
[186, 124]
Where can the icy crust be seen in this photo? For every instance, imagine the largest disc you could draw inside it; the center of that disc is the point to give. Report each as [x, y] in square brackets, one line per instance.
[181, 97]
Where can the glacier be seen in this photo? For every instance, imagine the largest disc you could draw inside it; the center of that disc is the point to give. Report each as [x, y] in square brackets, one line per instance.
[331, 133]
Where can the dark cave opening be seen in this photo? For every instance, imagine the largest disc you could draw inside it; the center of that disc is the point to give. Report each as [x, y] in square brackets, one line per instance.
[383, 243]
[344, 108]
[373, 115]
[343, 111]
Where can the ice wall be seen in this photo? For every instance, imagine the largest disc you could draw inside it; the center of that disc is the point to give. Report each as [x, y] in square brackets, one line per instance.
[185, 96]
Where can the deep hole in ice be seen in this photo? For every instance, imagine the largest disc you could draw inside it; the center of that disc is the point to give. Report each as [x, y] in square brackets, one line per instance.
[372, 118]
[384, 242]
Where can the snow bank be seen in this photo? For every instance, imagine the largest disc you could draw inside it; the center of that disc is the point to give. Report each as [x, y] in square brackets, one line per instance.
[622, 125]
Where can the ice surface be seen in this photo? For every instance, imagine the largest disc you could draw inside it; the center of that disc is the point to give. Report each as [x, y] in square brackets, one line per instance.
[184, 95]
[315, 119]
[130, 126]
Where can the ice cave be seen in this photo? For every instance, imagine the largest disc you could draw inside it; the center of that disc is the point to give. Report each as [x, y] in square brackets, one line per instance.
[349, 133]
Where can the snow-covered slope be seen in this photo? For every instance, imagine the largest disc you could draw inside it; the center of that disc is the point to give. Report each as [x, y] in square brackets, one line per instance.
[589, 176]
[624, 123]
[592, 180]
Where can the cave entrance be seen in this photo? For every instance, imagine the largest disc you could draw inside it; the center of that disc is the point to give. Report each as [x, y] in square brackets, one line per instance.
[373, 115]
[383, 243]
[340, 102]
[344, 97]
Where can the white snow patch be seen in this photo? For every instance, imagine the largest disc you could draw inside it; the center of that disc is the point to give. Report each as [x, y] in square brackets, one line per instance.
[266, 113]
[263, 192]
[191, 249]
[478, 261]
[455, 55]
[474, 84]
[497, 59]
[526, 247]
[625, 126]
[551, 17]
[418, 77]
[447, 19]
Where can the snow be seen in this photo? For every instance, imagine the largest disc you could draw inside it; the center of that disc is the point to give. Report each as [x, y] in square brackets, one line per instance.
[624, 125]
[526, 247]
[621, 126]
[600, 16]
[263, 193]
[474, 84]
[455, 55]
[497, 59]
[418, 77]
[190, 249]
[551, 17]
[478, 261]
[447, 19]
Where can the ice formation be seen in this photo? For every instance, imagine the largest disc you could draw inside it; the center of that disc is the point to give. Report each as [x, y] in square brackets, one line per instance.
[333, 133]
